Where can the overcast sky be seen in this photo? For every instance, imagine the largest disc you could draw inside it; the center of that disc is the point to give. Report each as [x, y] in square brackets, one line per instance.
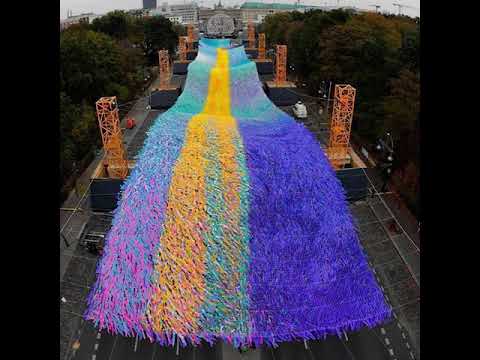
[103, 6]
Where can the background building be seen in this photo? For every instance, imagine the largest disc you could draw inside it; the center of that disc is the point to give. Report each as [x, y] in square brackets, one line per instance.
[149, 4]
[77, 19]
[181, 13]
[205, 13]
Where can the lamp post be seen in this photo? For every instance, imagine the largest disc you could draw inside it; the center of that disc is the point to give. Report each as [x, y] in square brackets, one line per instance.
[385, 146]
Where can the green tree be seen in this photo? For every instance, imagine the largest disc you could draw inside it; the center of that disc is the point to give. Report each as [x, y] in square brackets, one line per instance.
[159, 34]
[90, 63]
[114, 24]
[401, 109]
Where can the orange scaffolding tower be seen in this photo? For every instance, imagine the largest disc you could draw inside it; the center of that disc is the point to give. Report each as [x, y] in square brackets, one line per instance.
[190, 37]
[115, 160]
[261, 46]
[164, 69]
[281, 65]
[251, 35]
[340, 126]
[182, 48]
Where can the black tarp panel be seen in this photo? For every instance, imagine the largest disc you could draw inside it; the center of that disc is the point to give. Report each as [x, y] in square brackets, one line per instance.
[104, 194]
[354, 182]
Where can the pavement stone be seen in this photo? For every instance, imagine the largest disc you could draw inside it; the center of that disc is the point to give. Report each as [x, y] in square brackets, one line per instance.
[371, 234]
[392, 273]
[362, 213]
[75, 296]
[69, 323]
[403, 292]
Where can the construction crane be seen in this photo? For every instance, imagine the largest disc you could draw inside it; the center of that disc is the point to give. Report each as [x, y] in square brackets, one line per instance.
[281, 65]
[377, 7]
[401, 6]
[341, 124]
[115, 160]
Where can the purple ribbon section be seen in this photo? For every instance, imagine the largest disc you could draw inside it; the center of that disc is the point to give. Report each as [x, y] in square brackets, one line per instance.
[308, 276]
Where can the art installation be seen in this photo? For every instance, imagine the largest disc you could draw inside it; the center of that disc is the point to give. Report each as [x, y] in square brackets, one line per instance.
[232, 225]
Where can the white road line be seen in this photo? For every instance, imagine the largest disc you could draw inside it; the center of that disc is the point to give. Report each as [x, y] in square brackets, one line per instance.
[99, 335]
[136, 344]
[382, 330]
[387, 341]
[94, 356]
[96, 347]
[390, 351]
[403, 335]
[399, 325]
[408, 345]
[411, 355]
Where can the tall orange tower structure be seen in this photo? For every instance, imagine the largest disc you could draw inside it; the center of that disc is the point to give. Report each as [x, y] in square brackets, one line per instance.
[164, 69]
[115, 160]
[341, 124]
[261, 46]
[251, 35]
[281, 65]
[190, 37]
[182, 48]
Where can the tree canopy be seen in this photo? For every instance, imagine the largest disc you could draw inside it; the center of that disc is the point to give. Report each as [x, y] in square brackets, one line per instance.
[379, 55]
[105, 58]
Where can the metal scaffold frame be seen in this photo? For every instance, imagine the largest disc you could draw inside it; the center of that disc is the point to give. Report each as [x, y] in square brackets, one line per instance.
[115, 159]
[164, 69]
[341, 124]
[261, 46]
[281, 65]
[251, 35]
[190, 37]
[182, 48]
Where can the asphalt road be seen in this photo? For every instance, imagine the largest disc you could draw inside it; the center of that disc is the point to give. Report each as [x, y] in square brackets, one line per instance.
[382, 343]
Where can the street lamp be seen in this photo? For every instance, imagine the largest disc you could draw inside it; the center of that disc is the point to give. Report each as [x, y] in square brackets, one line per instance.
[385, 145]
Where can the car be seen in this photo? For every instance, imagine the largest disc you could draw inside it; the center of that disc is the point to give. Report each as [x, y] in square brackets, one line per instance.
[300, 110]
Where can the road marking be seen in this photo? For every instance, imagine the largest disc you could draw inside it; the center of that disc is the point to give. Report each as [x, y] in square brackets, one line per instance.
[390, 351]
[375, 272]
[96, 347]
[382, 330]
[136, 344]
[387, 341]
[99, 335]
[94, 356]
[399, 325]
[411, 355]
[403, 335]
[408, 345]
[394, 315]
[383, 289]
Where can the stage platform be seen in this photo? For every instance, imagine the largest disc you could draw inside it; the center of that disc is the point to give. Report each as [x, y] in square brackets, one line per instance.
[180, 67]
[163, 99]
[281, 95]
[264, 66]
